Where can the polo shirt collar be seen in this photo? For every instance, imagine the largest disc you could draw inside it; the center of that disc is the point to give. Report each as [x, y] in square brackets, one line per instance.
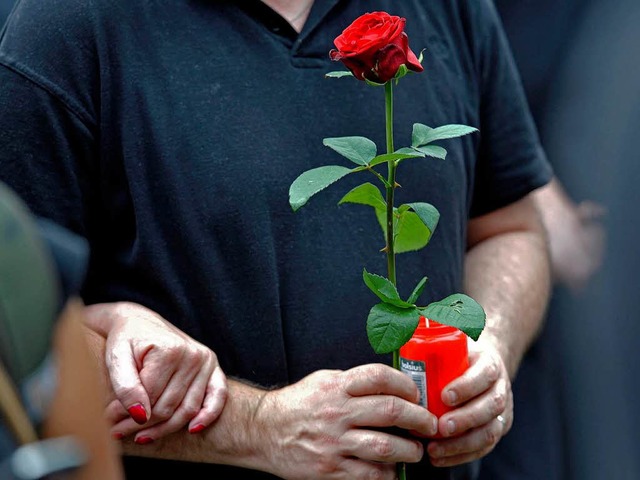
[277, 25]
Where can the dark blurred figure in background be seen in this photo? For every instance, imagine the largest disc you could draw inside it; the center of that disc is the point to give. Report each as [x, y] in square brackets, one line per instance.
[51, 420]
[5, 8]
[51, 396]
[574, 398]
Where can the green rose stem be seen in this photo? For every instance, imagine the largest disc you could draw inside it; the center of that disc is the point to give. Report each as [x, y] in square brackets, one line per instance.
[390, 188]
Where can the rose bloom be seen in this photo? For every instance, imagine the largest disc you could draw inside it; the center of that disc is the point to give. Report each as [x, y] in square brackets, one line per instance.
[374, 47]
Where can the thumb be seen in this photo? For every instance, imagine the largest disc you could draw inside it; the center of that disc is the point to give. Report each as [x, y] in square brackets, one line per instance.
[126, 383]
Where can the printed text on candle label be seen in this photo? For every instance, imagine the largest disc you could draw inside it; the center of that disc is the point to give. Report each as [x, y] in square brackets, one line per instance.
[417, 371]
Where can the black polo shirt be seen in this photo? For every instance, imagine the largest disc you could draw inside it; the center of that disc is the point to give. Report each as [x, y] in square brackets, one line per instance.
[168, 133]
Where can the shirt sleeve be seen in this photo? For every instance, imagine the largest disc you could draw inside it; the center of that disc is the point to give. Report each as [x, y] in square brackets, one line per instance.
[45, 152]
[47, 123]
[511, 161]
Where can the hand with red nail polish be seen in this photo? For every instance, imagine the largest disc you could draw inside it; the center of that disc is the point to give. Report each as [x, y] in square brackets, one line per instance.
[138, 413]
[162, 380]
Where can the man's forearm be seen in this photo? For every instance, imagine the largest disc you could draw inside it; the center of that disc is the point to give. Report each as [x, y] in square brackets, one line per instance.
[509, 275]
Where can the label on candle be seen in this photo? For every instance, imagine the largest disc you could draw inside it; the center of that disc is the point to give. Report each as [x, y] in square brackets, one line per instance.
[418, 373]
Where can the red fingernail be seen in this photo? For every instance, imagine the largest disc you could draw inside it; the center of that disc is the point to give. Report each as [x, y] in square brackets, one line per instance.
[143, 440]
[138, 413]
[117, 435]
[197, 428]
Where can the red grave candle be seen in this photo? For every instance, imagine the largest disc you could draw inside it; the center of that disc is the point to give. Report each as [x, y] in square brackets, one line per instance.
[433, 357]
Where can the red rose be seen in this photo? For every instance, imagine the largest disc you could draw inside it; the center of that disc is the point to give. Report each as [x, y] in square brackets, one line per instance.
[374, 47]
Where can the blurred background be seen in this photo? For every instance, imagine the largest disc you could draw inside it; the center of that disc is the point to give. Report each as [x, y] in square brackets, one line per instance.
[579, 64]
[576, 417]
[5, 8]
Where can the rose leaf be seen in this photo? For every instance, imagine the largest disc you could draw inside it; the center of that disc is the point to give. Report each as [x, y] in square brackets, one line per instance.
[459, 311]
[313, 181]
[384, 289]
[365, 194]
[360, 150]
[410, 232]
[390, 327]
[423, 135]
[338, 74]
[396, 156]
[428, 214]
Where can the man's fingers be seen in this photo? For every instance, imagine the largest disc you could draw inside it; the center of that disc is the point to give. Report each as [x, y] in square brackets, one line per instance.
[374, 379]
[355, 468]
[482, 373]
[390, 411]
[381, 447]
[480, 411]
[590, 211]
[471, 446]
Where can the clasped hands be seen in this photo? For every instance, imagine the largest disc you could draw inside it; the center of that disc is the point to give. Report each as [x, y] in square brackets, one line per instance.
[330, 424]
[161, 379]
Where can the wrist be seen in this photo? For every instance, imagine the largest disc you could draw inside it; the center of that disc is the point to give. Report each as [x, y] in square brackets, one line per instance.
[103, 317]
[244, 433]
[492, 341]
[264, 423]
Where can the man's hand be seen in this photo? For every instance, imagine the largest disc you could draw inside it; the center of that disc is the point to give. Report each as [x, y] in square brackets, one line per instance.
[576, 234]
[330, 424]
[161, 378]
[507, 271]
[485, 414]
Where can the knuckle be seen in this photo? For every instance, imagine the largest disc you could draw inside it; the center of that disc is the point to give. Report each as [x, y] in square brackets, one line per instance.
[327, 465]
[173, 353]
[376, 473]
[209, 358]
[475, 418]
[491, 436]
[383, 448]
[393, 408]
[196, 359]
[163, 412]
[379, 373]
[125, 392]
[329, 383]
[331, 414]
[498, 402]
[221, 392]
[199, 356]
[493, 370]
[190, 410]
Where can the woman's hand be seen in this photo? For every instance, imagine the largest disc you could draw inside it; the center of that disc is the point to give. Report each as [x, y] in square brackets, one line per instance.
[161, 378]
